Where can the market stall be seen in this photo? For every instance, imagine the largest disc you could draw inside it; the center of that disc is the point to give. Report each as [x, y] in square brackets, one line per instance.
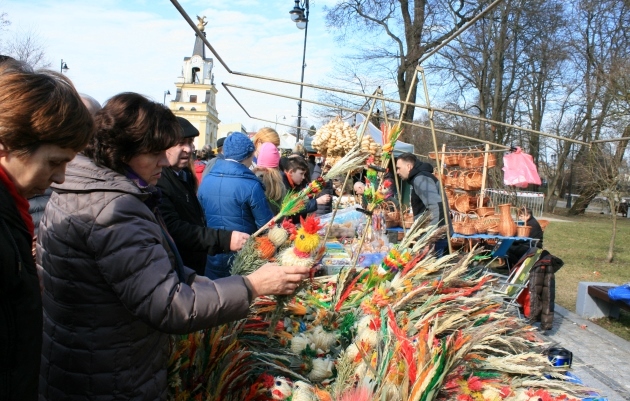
[411, 327]
[408, 326]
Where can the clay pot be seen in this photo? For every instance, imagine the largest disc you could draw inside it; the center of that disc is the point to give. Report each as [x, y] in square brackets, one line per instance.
[507, 226]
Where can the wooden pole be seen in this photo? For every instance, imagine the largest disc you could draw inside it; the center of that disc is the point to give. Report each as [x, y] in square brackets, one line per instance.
[484, 176]
[435, 149]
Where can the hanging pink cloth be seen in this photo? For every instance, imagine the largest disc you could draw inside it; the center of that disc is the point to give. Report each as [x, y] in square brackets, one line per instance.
[519, 169]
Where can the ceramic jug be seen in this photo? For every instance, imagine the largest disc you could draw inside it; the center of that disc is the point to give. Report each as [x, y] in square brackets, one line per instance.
[507, 226]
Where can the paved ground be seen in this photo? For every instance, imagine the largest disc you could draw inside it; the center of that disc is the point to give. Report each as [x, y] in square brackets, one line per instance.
[600, 358]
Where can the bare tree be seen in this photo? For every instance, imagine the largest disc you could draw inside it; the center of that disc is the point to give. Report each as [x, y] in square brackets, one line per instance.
[601, 40]
[602, 171]
[411, 29]
[27, 47]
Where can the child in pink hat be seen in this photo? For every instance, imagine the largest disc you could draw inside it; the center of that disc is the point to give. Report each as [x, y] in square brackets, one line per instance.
[268, 156]
[267, 170]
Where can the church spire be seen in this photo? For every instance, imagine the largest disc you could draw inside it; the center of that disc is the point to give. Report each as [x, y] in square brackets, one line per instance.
[200, 48]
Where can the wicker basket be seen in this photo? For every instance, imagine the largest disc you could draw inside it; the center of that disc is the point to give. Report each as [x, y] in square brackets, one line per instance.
[407, 218]
[475, 161]
[462, 203]
[465, 226]
[485, 211]
[472, 180]
[523, 231]
[451, 178]
[463, 160]
[483, 224]
[450, 197]
[392, 214]
[468, 229]
[451, 160]
[457, 243]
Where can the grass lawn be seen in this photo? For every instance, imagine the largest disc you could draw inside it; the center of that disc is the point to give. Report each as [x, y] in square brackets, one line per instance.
[582, 244]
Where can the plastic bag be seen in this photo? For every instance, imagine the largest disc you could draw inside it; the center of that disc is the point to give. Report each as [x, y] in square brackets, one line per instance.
[519, 169]
[621, 293]
[345, 223]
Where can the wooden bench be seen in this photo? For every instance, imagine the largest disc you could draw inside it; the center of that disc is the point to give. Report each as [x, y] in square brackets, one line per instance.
[593, 301]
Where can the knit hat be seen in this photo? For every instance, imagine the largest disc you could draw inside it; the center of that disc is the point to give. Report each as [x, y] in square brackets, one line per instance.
[237, 146]
[268, 156]
[189, 130]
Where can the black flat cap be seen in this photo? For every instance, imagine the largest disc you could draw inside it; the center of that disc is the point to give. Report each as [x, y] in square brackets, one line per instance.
[189, 130]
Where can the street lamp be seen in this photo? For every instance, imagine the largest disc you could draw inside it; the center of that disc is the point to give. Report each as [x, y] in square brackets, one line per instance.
[299, 15]
[283, 118]
[64, 67]
[166, 93]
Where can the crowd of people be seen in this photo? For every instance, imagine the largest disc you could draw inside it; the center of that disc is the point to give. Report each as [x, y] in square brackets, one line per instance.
[121, 243]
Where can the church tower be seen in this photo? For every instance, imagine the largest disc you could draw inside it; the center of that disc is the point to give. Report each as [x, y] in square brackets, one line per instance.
[195, 96]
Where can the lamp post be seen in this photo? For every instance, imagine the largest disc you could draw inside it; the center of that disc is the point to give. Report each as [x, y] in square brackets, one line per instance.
[299, 15]
[63, 67]
[166, 93]
[570, 189]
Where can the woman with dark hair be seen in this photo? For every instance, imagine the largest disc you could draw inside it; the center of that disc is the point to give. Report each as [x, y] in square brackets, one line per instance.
[114, 282]
[43, 125]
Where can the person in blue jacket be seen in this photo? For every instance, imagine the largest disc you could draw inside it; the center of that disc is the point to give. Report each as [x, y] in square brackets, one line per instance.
[233, 198]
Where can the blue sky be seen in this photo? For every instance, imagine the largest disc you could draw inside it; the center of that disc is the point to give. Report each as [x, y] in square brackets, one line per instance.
[112, 46]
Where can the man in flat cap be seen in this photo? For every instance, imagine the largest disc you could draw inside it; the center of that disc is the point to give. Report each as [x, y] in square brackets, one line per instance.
[182, 212]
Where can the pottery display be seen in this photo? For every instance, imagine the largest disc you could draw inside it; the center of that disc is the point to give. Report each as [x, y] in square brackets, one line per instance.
[507, 226]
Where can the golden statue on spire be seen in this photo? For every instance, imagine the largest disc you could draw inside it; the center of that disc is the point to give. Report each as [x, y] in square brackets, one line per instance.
[201, 24]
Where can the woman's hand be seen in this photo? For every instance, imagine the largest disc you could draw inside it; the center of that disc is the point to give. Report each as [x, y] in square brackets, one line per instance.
[237, 240]
[273, 279]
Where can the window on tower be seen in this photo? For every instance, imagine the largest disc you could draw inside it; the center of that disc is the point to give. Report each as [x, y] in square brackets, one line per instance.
[193, 98]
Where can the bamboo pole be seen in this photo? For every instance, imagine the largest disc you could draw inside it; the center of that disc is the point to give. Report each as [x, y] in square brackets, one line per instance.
[435, 149]
[398, 192]
[407, 103]
[484, 176]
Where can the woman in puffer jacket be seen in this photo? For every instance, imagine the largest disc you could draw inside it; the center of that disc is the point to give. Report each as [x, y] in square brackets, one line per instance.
[114, 283]
[43, 125]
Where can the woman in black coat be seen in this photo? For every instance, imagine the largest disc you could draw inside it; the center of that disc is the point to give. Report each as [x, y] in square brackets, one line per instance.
[43, 124]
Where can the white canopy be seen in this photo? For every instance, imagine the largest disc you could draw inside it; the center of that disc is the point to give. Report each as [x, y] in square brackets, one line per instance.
[399, 148]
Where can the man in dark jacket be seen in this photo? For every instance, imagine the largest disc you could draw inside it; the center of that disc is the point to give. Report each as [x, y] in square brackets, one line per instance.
[182, 211]
[425, 194]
